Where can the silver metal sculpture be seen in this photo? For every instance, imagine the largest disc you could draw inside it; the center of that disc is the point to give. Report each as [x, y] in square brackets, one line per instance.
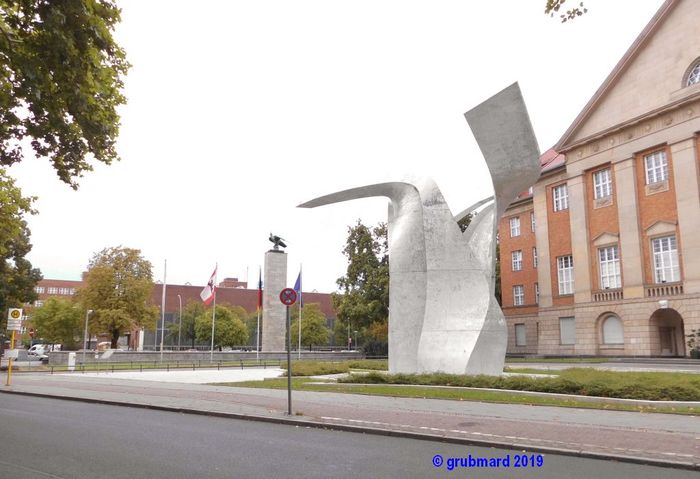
[443, 314]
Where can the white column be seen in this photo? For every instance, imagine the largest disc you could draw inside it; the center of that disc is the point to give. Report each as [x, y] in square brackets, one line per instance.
[579, 239]
[630, 235]
[274, 324]
[685, 177]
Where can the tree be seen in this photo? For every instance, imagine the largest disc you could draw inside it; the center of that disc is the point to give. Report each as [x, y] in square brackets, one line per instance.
[553, 6]
[190, 313]
[364, 296]
[230, 327]
[17, 277]
[313, 325]
[60, 83]
[118, 288]
[59, 320]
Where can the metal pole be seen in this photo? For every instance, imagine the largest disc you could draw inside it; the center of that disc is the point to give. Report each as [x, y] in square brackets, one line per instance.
[87, 315]
[179, 328]
[213, 313]
[289, 365]
[9, 361]
[257, 339]
[300, 282]
[162, 310]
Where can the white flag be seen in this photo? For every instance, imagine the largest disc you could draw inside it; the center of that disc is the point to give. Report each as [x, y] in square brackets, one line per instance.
[209, 290]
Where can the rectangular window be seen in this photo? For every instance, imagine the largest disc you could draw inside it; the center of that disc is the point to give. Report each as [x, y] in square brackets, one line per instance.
[518, 295]
[520, 335]
[534, 257]
[567, 330]
[537, 293]
[565, 271]
[602, 184]
[656, 167]
[39, 289]
[515, 226]
[52, 290]
[532, 222]
[517, 260]
[666, 269]
[609, 261]
[561, 197]
[38, 303]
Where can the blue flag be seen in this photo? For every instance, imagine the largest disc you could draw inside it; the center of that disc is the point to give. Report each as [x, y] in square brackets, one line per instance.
[297, 288]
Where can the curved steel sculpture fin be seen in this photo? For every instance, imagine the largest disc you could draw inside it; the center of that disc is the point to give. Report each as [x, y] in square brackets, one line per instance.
[443, 315]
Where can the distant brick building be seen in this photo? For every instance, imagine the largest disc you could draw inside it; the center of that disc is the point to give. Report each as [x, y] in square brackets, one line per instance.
[602, 256]
[230, 291]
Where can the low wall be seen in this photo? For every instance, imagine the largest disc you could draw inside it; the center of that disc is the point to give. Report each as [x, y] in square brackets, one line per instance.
[58, 358]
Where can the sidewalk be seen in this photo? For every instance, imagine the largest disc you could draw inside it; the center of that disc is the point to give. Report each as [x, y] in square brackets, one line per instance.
[660, 439]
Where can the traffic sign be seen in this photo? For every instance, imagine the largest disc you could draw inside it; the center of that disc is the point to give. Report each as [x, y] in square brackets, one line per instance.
[14, 319]
[288, 296]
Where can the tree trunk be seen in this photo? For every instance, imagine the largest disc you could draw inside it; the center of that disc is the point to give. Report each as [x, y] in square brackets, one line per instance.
[115, 338]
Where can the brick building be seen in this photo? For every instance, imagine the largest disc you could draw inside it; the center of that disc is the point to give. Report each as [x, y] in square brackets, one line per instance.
[230, 291]
[602, 255]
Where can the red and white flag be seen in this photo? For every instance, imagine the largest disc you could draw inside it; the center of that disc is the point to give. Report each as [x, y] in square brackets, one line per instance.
[209, 290]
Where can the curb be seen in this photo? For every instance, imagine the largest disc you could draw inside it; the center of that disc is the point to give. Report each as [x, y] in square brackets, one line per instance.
[376, 431]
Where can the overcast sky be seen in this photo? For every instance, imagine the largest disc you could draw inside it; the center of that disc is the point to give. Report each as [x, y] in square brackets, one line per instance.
[240, 110]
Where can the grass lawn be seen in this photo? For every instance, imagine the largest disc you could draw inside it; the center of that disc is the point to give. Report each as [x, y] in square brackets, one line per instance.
[575, 381]
[592, 360]
[453, 393]
[653, 386]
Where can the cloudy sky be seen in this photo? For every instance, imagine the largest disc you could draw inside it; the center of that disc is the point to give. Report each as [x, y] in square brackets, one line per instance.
[240, 110]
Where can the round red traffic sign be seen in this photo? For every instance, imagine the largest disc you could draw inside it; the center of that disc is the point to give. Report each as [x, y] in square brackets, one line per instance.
[288, 296]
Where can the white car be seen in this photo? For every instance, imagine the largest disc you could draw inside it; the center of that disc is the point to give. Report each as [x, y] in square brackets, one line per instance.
[42, 350]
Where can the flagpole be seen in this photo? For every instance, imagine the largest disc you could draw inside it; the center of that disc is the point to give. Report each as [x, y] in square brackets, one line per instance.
[162, 309]
[300, 283]
[259, 300]
[213, 314]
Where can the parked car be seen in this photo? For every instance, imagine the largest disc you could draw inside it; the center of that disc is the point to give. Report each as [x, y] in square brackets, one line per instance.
[42, 350]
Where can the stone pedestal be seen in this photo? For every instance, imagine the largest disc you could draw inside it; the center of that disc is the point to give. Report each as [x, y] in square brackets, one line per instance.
[274, 313]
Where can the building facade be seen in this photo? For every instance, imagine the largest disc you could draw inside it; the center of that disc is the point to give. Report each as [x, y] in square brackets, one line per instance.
[602, 256]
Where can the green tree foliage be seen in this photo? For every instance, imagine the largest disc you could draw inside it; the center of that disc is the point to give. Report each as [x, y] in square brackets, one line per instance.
[17, 277]
[60, 83]
[118, 288]
[190, 312]
[230, 327]
[464, 222]
[59, 320]
[553, 6]
[364, 296]
[313, 326]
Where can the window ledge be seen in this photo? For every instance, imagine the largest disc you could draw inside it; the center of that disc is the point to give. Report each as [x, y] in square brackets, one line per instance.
[619, 346]
[658, 187]
[602, 202]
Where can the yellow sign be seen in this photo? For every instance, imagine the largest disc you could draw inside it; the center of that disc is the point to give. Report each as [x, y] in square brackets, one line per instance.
[15, 313]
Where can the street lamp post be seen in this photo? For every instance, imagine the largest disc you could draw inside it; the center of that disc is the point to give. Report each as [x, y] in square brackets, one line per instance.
[179, 328]
[355, 339]
[87, 315]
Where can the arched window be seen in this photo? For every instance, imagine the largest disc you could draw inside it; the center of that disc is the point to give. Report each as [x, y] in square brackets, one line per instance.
[693, 74]
[613, 330]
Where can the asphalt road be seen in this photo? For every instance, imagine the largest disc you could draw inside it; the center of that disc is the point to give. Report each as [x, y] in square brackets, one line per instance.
[52, 438]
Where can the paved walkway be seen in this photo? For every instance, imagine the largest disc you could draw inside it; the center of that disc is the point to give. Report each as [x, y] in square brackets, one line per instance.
[650, 438]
